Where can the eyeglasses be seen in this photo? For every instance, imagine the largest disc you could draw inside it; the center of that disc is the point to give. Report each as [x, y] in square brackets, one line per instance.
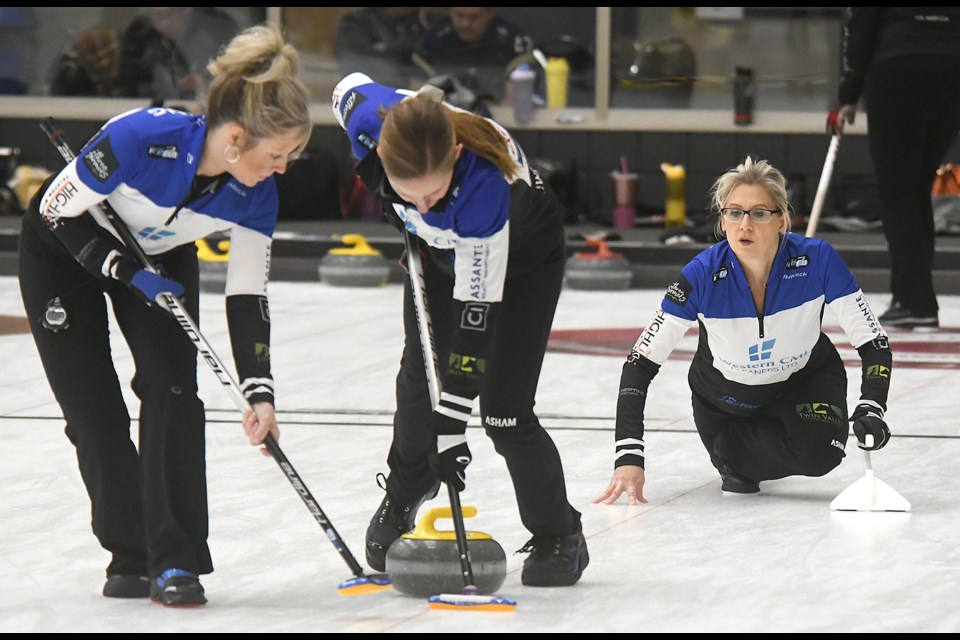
[757, 215]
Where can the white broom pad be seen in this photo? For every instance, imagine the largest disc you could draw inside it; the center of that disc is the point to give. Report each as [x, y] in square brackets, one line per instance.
[869, 494]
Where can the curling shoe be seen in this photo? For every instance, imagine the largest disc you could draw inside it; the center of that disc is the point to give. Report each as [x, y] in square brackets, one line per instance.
[121, 586]
[177, 588]
[554, 561]
[735, 483]
[899, 316]
[391, 521]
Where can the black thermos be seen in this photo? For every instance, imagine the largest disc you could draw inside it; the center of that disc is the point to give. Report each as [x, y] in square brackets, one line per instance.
[744, 91]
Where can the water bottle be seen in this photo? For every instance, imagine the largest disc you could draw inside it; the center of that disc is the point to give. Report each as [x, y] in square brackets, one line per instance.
[676, 204]
[744, 91]
[558, 78]
[521, 87]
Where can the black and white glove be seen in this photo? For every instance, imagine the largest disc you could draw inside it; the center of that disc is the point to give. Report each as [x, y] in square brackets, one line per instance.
[868, 426]
[453, 455]
[449, 422]
[451, 460]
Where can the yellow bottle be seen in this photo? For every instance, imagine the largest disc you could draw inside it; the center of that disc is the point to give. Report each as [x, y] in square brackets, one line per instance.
[676, 205]
[558, 78]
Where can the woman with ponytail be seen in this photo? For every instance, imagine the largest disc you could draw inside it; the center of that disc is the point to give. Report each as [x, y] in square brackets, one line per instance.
[172, 178]
[494, 240]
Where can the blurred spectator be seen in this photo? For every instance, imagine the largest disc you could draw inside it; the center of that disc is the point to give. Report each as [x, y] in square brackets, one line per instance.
[18, 49]
[89, 67]
[475, 46]
[905, 64]
[380, 41]
[165, 52]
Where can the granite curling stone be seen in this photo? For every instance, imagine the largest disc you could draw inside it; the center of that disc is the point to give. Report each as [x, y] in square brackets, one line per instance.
[359, 265]
[601, 270]
[426, 562]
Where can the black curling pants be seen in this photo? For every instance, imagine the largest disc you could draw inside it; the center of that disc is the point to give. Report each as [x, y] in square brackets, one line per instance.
[149, 503]
[913, 107]
[803, 433]
[507, 396]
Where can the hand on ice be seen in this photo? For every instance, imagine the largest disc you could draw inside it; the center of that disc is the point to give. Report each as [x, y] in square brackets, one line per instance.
[629, 479]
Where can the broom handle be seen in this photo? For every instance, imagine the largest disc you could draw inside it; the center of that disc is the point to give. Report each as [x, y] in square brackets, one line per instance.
[418, 286]
[824, 185]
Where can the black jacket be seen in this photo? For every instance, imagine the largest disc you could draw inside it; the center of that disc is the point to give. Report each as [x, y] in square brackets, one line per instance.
[872, 34]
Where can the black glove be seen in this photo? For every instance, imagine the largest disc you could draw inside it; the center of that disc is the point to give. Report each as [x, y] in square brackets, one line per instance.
[867, 421]
[451, 460]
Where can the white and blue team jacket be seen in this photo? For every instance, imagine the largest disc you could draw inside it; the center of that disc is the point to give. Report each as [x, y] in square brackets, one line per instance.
[744, 357]
[486, 217]
[487, 228]
[143, 163]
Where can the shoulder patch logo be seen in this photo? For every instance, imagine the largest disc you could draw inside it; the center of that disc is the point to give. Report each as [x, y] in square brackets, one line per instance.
[679, 291]
[354, 100]
[364, 139]
[101, 160]
[720, 275]
[164, 152]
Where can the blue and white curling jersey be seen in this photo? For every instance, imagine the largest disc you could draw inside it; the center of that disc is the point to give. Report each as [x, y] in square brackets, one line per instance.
[485, 218]
[143, 163]
[752, 348]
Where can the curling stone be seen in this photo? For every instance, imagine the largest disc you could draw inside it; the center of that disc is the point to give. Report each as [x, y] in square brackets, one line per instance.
[605, 269]
[426, 562]
[213, 257]
[359, 265]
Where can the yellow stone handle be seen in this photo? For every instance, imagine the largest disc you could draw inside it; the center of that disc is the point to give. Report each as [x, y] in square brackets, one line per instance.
[360, 246]
[207, 253]
[426, 529]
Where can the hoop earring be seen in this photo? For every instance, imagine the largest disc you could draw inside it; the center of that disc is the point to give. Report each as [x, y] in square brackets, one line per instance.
[229, 156]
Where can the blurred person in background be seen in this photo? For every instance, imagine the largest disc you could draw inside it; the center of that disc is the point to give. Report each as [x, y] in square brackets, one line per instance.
[905, 64]
[474, 45]
[165, 52]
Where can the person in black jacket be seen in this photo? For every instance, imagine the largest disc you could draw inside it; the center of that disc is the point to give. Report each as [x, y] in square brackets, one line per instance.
[905, 64]
[165, 52]
[475, 45]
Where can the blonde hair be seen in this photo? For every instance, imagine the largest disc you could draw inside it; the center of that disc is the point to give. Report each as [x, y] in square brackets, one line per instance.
[255, 84]
[419, 137]
[751, 172]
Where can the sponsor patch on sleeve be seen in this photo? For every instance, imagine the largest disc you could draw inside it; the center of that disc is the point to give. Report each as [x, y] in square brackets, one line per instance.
[367, 141]
[164, 152]
[101, 160]
[57, 197]
[679, 291]
[353, 100]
